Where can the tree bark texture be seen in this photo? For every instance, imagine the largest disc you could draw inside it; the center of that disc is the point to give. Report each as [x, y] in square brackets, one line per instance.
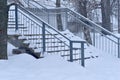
[58, 17]
[118, 16]
[105, 8]
[3, 29]
[82, 9]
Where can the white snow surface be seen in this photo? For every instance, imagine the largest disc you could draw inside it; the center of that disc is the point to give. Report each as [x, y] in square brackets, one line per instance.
[53, 67]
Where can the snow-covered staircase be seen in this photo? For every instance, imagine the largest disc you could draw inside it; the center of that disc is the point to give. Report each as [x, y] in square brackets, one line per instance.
[36, 37]
[102, 39]
[34, 27]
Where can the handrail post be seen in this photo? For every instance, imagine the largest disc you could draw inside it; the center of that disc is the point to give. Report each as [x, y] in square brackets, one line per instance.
[43, 37]
[16, 17]
[71, 51]
[94, 37]
[118, 47]
[82, 54]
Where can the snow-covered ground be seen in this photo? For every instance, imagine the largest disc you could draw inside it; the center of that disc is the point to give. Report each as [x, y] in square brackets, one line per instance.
[54, 67]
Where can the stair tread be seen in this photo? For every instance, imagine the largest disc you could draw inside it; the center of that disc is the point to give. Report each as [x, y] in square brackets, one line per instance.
[37, 34]
[41, 42]
[18, 27]
[11, 18]
[58, 50]
[11, 21]
[14, 24]
[80, 59]
[69, 54]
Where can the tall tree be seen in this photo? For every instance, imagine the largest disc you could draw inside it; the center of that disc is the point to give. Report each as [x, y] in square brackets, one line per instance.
[81, 7]
[118, 16]
[58, 16]
[3, 29]
[105, 8]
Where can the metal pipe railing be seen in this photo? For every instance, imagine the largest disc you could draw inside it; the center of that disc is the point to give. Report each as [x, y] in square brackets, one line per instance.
[109, 40]
[35, 26]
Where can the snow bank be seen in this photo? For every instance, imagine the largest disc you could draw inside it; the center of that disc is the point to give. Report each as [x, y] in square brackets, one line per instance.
[53, 67]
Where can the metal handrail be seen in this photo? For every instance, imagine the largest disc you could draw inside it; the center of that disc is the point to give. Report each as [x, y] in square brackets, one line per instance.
[82, 18]
[37, 21]
[91, 25]
[37, 18]
[87, 25]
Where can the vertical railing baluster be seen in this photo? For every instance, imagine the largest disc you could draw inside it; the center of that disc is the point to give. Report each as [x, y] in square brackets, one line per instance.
[16, 17]
[118, 47]
[93, 37]
[71, 51]
[82, 54]
[43, 37]
[54, 45]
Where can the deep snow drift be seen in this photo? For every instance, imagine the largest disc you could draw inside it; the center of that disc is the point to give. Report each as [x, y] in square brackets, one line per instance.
[53, 67]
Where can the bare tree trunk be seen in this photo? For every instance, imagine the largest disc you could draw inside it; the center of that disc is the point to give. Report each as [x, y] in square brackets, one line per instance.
[105, 8]
[118, 16]
[82, 9]
[3, 29]
[58, 17]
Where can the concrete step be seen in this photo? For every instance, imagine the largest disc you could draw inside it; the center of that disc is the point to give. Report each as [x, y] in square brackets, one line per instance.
[77, 59]
[11, 27]
[65, 55]
[53, 47]
[36, 34]
[52, 42]
[57, 51]
[11, 18]
[38, 38]
[11, 21]
[17, 42]
[15, 24]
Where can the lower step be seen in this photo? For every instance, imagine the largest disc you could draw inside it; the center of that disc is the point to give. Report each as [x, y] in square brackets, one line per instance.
[65, 55]
[85, 58]
[28, 51]
[15, 27]
[57, 51]
[80, 59]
